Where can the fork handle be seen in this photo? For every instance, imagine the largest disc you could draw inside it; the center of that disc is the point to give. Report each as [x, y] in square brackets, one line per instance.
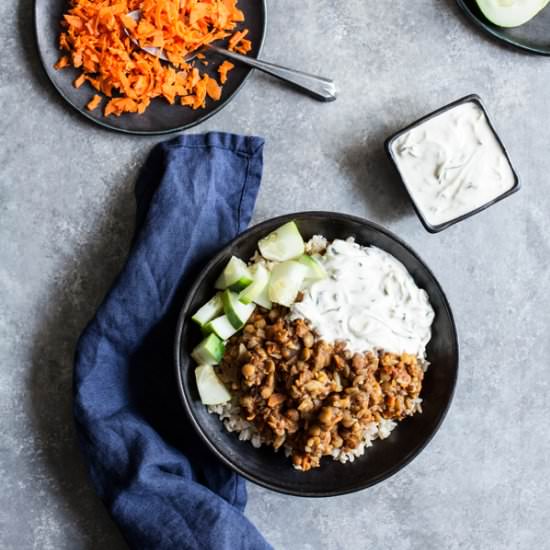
[317, 87]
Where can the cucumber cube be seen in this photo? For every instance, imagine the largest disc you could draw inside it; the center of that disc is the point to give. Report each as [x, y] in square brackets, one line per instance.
[211, 389]
[237, 312]
[209, 351]
[286, 281]
[316, 272]
[282, 244]
[209, 311]
[263, 298]
[236, 276]
[221, 327]
[258, 286]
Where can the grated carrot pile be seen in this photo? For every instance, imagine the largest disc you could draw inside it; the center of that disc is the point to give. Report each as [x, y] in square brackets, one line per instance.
[94, 41]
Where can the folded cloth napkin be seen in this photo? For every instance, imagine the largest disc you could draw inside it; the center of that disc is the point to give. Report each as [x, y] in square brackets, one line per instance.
[163, 488]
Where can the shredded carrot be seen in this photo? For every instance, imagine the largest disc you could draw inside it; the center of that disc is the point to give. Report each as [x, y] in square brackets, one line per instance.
[223, 69]
[94, 102]
[79, 81]
[213, 90]
[95, 42]
[238, 42]
[62, 62]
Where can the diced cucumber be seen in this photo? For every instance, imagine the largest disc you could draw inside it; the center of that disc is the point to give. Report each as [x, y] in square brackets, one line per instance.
[237, 312]
[209, 311]
[209, 351]
[286, 281]
[263, 298]
[211, 389]
[316, 271]
[235, 276]
[221, 327]
[260, 281]
[282, 244]
[510, 13]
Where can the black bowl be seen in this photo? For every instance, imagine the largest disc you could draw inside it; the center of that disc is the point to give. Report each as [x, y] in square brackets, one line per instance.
[384, 458]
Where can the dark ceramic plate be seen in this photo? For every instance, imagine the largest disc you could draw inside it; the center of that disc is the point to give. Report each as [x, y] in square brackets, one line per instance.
[533, 37]
[160, 117]
[389, 150]
[384, 458]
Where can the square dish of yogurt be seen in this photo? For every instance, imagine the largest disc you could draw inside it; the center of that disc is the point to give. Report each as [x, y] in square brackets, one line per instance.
[452, 163]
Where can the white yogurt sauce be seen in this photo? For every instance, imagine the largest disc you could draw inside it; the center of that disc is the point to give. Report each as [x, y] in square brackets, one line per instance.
[369, 300]
[453, 163]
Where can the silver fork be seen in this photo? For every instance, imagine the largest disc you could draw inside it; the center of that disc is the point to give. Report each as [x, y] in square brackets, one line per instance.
[317, 87]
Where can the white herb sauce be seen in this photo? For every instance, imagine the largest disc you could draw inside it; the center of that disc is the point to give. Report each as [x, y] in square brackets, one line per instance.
[369, 300]
[453, 163]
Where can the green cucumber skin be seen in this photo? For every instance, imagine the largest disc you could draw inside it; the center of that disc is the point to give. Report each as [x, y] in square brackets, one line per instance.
[209, 352]
[258, 286]
[208, 311]
[237, 312]
[241, 284]
[221, 327]
[235, 275]
[229, 310]
[316, 270]
[245, 300]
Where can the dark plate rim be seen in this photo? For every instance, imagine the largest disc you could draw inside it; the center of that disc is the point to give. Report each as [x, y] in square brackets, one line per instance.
[107, 126]
[493, 30]
[178, 367]
[389, 151]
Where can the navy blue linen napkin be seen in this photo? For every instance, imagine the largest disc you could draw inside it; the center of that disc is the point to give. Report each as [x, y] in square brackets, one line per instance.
[163, 488]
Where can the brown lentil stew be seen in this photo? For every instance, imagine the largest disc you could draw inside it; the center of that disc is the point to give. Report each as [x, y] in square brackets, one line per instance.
[311, 396]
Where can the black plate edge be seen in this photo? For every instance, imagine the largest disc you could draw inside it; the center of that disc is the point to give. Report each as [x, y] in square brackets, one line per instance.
[108, 126]
[235, 467]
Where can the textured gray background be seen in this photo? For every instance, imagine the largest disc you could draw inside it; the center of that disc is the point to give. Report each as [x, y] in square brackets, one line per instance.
[66, 220]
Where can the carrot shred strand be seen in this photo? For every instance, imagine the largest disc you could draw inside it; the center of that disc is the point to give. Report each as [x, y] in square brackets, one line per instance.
[94, 102]
[224, 69]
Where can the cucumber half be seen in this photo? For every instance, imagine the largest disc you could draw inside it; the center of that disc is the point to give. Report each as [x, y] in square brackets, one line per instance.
[282, 244]
[286, 281]
[209, 351]
[237, 312]
[257, 291]
[510, 13]
[235, 276]
[211, 389]
[209, 311]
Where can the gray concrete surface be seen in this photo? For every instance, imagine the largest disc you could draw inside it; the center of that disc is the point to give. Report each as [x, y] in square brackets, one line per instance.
[66, 219]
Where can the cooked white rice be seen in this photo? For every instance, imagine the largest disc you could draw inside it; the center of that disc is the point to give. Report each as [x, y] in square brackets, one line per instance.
[316, 245]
